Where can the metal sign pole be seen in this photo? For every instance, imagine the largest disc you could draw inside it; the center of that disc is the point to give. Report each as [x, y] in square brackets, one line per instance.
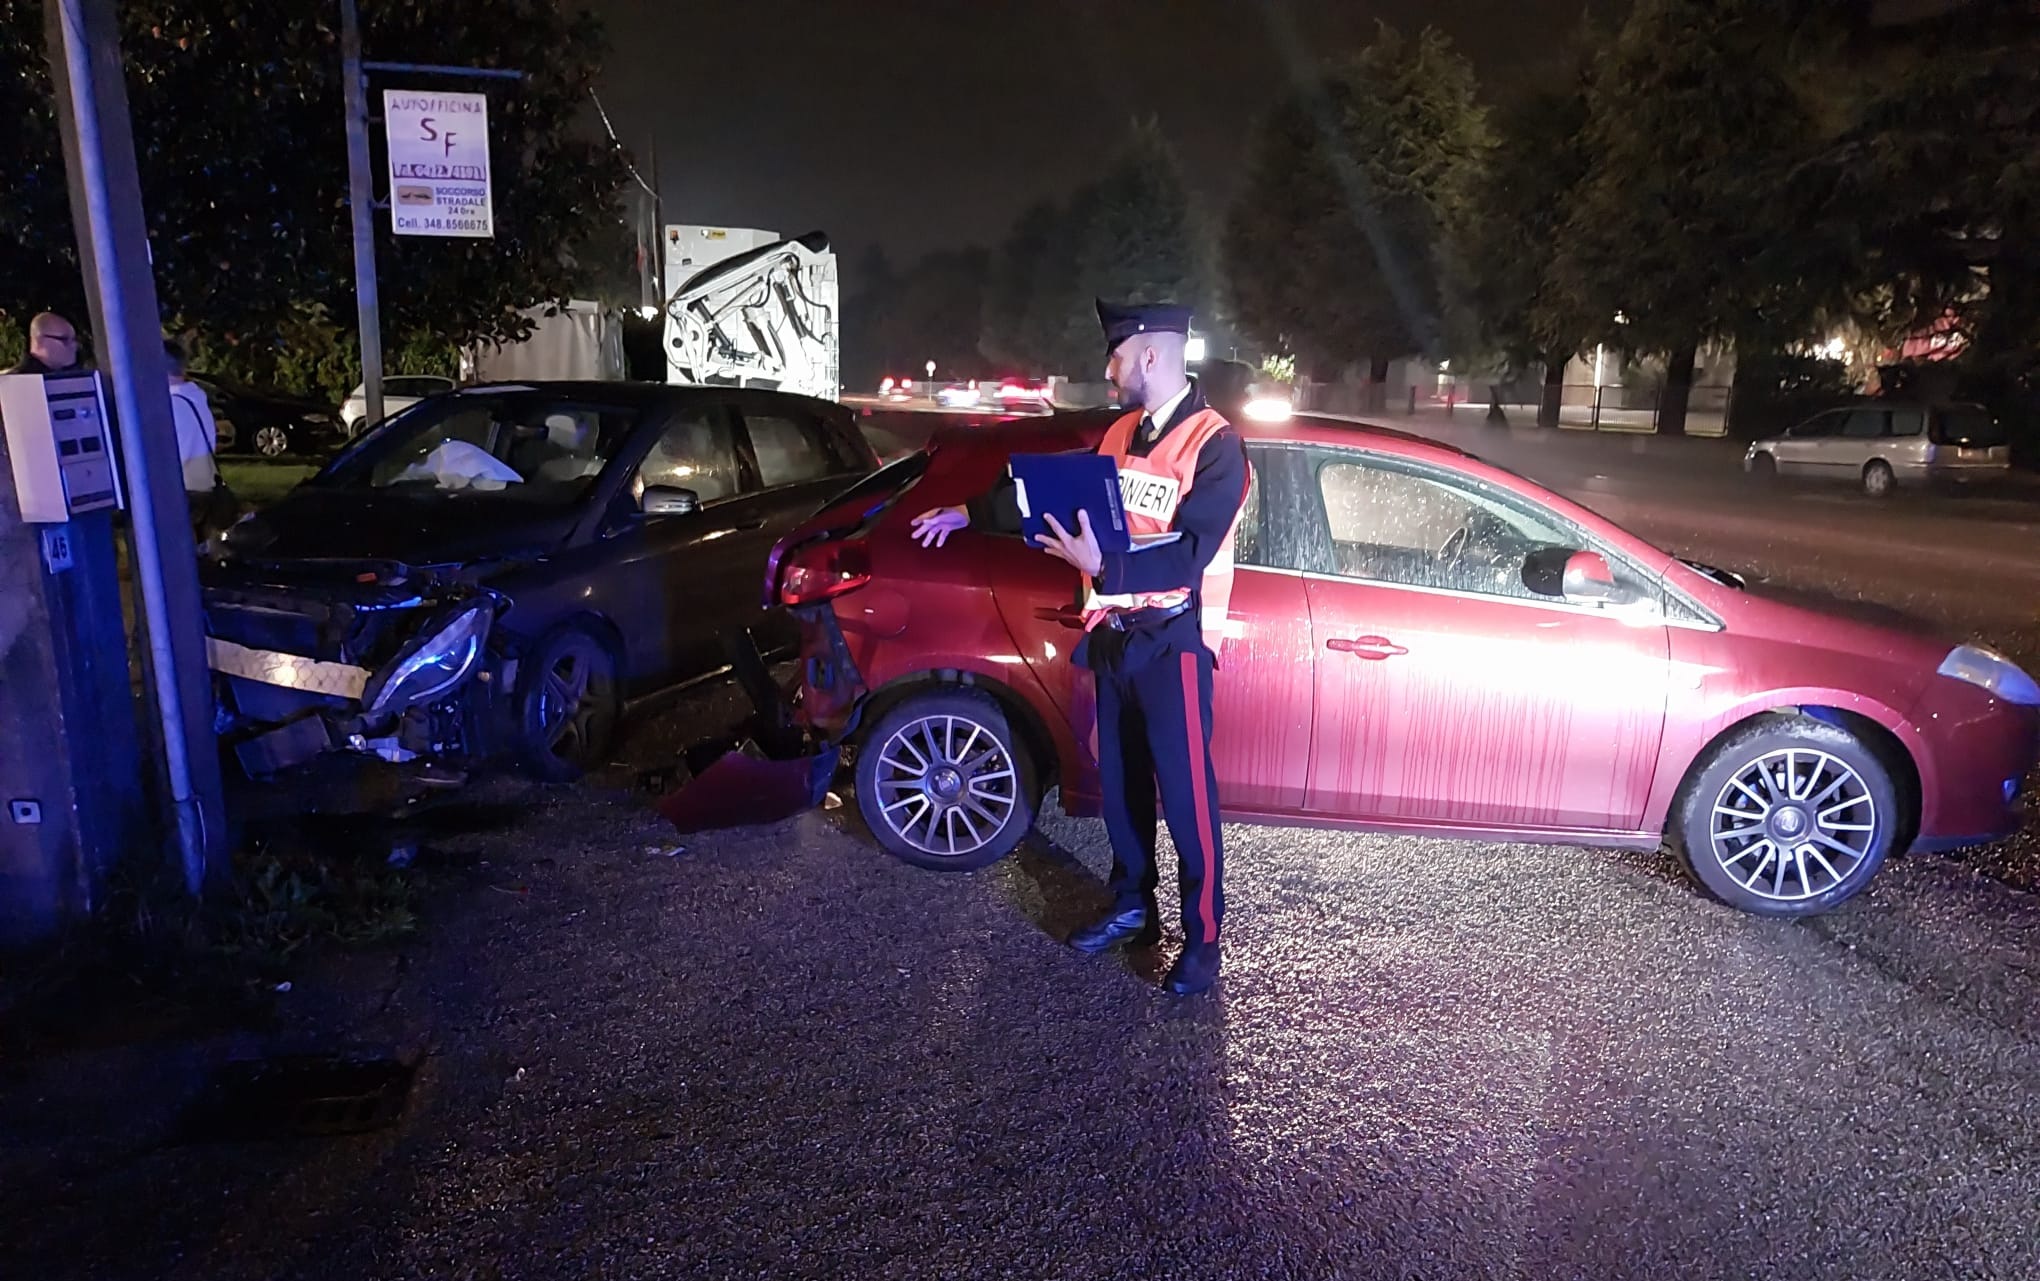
[361, 204]
[106, 205]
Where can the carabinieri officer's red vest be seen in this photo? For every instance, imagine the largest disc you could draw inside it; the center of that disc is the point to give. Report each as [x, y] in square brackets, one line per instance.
[1150, 489]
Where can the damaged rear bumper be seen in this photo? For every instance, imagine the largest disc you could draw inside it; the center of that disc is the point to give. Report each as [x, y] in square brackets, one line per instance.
[774, 767]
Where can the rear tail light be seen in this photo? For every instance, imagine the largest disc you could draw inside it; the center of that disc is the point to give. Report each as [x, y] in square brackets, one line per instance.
[823, 571]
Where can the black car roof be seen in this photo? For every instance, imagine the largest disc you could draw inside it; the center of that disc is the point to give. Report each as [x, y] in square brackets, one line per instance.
[639, 394]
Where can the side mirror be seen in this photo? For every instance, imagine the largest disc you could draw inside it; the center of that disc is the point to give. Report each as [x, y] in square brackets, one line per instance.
[1581, 577]
[669, 500]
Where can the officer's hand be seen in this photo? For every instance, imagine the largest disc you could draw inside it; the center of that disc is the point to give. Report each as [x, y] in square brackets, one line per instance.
[1079, 549]
[934, 526]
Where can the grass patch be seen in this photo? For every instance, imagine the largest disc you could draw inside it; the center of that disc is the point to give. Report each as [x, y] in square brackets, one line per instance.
[153, 962]
[259, 484]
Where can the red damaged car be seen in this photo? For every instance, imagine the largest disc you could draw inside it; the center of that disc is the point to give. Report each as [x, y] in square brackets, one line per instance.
[1418, 642]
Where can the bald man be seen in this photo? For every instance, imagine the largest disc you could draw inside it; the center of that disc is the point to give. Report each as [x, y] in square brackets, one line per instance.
[1152, 620]
[52, 346]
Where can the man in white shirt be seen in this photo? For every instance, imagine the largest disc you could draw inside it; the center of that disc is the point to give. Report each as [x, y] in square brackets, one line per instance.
[196, 431]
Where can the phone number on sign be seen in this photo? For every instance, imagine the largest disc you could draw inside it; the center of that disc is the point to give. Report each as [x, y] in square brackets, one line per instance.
[469, 173]
[448, 224]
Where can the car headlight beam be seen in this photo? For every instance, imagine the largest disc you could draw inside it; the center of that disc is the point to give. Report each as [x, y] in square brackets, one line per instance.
[1991, 671]
[440, 659]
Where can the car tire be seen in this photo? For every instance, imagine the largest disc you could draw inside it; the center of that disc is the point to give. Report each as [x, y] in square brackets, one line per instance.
[568, 706]
[1764, 468]
[272, 441]
[945, 783]
[1878, 479]
[1787, 816]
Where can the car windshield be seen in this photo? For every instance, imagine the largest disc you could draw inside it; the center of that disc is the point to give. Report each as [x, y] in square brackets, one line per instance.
[529, 446]
[1967, 427]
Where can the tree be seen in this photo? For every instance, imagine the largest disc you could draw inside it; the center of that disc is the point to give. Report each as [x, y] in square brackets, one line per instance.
[1690, 223]
[1018, 272]
[1508, 240]
[1929, 187]
[1128, 236]
[1336, 249]
[238, 133]
[931, 311]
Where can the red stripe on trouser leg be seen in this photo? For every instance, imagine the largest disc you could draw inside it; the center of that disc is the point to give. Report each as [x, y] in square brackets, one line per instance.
[1200, 772]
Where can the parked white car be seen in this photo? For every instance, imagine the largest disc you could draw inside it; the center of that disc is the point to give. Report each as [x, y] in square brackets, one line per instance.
[400, 392]
[1882, 445]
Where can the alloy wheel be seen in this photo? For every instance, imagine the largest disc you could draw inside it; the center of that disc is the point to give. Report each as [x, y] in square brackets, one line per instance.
[1793, 824]
[946, 784]
[570, 702]
[272, 442]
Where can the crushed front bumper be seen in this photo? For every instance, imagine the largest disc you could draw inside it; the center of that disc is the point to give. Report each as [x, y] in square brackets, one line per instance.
[298, 665]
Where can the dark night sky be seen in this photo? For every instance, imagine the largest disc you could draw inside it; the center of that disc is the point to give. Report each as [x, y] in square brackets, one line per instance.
[925, 124]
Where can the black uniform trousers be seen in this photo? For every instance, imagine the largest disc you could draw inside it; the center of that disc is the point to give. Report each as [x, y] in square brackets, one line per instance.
[1154, 733]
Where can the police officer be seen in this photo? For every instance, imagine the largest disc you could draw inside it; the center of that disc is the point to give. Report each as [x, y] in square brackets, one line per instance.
[1153, 617]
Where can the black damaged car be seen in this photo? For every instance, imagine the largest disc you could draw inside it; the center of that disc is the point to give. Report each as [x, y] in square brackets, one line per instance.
[503, 572]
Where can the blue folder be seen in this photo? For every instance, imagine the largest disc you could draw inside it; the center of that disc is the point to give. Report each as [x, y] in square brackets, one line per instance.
[1063, 485]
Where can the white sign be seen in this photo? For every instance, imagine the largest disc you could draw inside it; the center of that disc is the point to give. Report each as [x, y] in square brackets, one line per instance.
[439, 163]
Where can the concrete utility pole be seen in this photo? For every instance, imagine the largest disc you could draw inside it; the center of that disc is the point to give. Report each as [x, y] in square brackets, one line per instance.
[361, 204]
[113, 248]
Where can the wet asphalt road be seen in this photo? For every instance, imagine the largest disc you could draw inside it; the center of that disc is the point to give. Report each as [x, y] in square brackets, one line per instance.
[782, 1054]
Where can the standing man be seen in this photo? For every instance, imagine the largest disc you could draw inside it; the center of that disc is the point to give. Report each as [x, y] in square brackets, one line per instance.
[52, 346]
[1152, 617]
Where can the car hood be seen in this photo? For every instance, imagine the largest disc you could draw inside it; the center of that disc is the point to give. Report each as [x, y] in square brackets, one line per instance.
[1838, 624]
[415, 528]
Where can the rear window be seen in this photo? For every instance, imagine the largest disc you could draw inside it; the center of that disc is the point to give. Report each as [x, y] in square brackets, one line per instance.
[419, 386]
[1967, 428]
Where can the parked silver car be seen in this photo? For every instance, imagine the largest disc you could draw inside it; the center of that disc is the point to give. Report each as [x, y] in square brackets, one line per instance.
[1881, 445]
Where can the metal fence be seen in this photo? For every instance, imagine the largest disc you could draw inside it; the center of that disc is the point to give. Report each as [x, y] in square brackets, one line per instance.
[1582, 406]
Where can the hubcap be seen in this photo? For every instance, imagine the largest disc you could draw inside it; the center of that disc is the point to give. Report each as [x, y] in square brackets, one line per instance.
[271, 441]
[1793, 824]
[946, 785]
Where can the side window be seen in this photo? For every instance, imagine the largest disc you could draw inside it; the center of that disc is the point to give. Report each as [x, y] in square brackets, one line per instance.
[1409, 526]
[794, 448]
[1279, 526]
[1247, 539]
[1815, 428]
[697, 451]
[1907, 422]
[1864, 424]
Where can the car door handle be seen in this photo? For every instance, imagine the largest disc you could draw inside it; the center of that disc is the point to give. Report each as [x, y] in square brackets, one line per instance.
[1069, 615]
[1374, 648]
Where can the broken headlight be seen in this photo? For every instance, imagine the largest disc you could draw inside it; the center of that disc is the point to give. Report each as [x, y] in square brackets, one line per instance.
[443, 656]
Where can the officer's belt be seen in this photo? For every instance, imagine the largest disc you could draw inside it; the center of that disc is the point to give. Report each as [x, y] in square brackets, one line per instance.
[1126, 620]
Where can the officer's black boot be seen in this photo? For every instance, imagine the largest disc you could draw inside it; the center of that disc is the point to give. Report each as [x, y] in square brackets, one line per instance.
[1139, 926]
[1194, 970]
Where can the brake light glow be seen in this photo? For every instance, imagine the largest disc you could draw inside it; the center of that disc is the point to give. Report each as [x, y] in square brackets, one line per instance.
[824, 571]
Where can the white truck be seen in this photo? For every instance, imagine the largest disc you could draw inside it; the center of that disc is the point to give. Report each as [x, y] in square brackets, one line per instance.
[579, 340]
[752, 310]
